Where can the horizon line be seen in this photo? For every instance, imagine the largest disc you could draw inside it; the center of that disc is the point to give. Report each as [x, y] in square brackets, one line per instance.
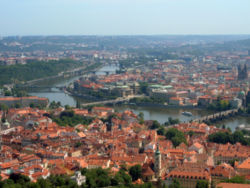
[107, 35]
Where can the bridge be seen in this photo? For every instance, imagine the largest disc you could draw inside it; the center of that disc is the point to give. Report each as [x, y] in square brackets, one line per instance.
[113, 101]
[216, 116]
[41, 87]
[34, 88]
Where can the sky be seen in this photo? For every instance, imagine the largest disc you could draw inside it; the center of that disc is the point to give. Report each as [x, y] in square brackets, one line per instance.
[124, 17]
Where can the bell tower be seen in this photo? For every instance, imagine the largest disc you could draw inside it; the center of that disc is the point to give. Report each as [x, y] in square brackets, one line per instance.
[157, 165]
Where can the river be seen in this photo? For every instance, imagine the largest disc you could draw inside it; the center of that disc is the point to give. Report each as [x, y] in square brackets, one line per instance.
[150, 113]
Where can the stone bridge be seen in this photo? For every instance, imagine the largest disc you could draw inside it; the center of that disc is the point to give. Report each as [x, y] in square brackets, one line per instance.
[217, 115]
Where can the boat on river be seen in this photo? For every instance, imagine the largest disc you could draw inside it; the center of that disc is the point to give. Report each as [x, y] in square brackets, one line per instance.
[187, 113]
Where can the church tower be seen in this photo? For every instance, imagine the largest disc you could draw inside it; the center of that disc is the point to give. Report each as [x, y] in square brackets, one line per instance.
[242, 72]
[157, 165]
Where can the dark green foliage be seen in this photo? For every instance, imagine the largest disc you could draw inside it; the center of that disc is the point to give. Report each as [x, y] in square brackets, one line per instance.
[161, 131]
[84, 171]
[225, 137]
[94, 178]
[17, 105]
[34, 70]
[4, 107]
[21, 181]
[248, 109]
[220, 105]
[71, 119]
[18, 178]
[143, 87]
[102, 95]
[97, 178]
[176, 136]
[61, 181]
[150, 100]
[238, 179]
[54, 105]
[155, 125]
[232, 162]
[7, 93]
[125, 178]
[17, 92]
[135, 172]
[141, 117]
[78, 144]
[201, 184]
[175, 184]
[172, 121]
[190, 133]
[32, 105]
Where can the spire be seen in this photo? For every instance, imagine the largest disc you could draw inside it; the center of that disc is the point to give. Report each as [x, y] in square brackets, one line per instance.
[157, 164]
[157, 152]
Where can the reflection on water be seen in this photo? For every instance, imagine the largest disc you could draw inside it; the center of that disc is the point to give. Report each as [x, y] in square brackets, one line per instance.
[234, 122]
[162, 114]
[58, 95]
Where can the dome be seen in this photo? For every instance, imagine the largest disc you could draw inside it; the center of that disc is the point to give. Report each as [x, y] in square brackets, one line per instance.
[242, 94]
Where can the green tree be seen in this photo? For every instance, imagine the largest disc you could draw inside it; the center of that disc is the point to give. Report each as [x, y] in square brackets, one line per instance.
[20, 179]
[155, 125]
[201, 184]
[135, 172]
[67, 107]
[7, 93]
[175, 184]
[176, 136]
[17, 105]
[237, 179]
[84, 171]
[161, 131]
[43, 183]
[143, 87]
[32, 105]
[4, 107]
[127, 180]
[225, 137]
[190, 133]
[141, 117]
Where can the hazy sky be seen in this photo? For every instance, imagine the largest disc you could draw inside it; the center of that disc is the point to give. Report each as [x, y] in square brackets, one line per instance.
[124, 17]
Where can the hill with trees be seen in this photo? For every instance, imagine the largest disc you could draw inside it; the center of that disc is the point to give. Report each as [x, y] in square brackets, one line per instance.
[35, 70]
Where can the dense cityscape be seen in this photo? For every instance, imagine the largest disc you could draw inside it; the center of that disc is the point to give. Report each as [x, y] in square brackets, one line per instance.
[47, 143]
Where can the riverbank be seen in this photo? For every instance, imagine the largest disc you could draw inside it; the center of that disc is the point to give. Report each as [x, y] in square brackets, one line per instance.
[164, 106]
[82, 95]
[76, 72]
